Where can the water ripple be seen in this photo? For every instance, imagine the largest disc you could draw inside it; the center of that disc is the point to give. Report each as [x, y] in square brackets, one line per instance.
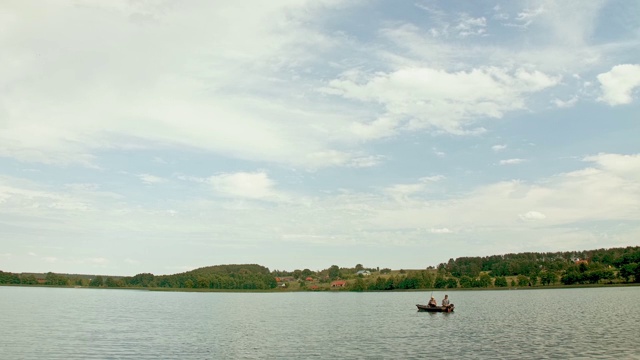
[119, 324]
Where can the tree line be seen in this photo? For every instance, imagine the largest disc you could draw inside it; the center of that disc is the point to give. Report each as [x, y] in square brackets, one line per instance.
[616, 265]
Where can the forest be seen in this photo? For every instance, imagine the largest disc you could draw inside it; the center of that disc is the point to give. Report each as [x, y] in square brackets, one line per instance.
[601, 266]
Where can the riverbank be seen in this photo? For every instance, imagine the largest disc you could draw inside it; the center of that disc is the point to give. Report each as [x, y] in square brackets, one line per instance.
[281, 290]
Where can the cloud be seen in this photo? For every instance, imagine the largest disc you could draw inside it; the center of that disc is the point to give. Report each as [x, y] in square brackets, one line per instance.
[439, 154]
[604, 191]
[618, 84]
[498, 147]
[166, 86]
[442, 100]
[440, 231]
[366, 161]
[403, 192]
[255, 185]
[565, 103]
[151, 179]
[19, 198]
[532, 215]
[524, 18]
[469, 26]
[512, 161]
[433, 178]
[624, 165]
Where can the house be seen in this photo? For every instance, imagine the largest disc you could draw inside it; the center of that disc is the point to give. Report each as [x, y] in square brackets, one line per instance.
[579, 261]
[363, 272]
[339, 283]
[309, 278]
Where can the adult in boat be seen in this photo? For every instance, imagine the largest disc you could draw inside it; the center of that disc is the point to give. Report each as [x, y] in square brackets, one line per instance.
[445, 301]
[432, 302]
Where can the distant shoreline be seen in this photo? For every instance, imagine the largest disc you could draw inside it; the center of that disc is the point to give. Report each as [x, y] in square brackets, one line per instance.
[281, 291]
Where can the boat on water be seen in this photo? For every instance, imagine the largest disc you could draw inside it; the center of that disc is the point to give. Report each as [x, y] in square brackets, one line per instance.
[427, 308]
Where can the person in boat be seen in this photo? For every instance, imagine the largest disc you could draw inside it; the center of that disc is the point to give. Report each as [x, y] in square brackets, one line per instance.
[432, 302]
[445, 301]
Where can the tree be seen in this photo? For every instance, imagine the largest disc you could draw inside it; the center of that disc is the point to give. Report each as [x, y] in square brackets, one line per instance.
[96, 281]
[56, 279]
[111, 282]
[358, 285]
[484, 281]
[500, 281]
[548, 278]
[334, 272]
[466, 282]
[440, 283]
[627, 271]
[359, 267]
[143, 279]
[523, 280]
[306, 273]
[28, 279]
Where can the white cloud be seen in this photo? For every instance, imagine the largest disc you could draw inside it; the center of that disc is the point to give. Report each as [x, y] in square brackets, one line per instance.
[606, 190]
[469, 26]
[446, 101]
[524, 18]
[440, 231]
[403, 192]
[151, 179]
[532, 215]
[366, 161]
[565, 103]
[625, 165]
[618, 84]
[512, 161]
[165, 85]
[498, 147]
[433, 178]
[255, 185]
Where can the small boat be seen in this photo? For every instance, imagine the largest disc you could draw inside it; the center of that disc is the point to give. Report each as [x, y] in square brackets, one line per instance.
[435, 308]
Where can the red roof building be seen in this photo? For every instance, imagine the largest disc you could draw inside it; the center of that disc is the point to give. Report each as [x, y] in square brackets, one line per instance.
[339, 283]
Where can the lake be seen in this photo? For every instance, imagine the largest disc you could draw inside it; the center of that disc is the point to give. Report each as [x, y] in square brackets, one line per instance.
[61, 323]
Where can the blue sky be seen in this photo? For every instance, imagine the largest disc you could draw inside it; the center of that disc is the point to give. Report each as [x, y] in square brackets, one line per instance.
[162, 136]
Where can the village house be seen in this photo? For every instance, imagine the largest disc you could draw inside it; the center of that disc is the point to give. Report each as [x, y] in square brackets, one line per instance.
[339, 283]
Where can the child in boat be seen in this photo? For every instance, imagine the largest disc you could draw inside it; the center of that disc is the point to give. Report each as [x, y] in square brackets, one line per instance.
[445, 301]
[432, 302]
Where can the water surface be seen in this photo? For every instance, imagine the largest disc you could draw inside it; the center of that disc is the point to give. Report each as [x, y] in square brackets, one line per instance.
[60, 323]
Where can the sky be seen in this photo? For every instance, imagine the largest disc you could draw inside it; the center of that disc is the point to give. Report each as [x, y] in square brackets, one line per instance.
[163, 136]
